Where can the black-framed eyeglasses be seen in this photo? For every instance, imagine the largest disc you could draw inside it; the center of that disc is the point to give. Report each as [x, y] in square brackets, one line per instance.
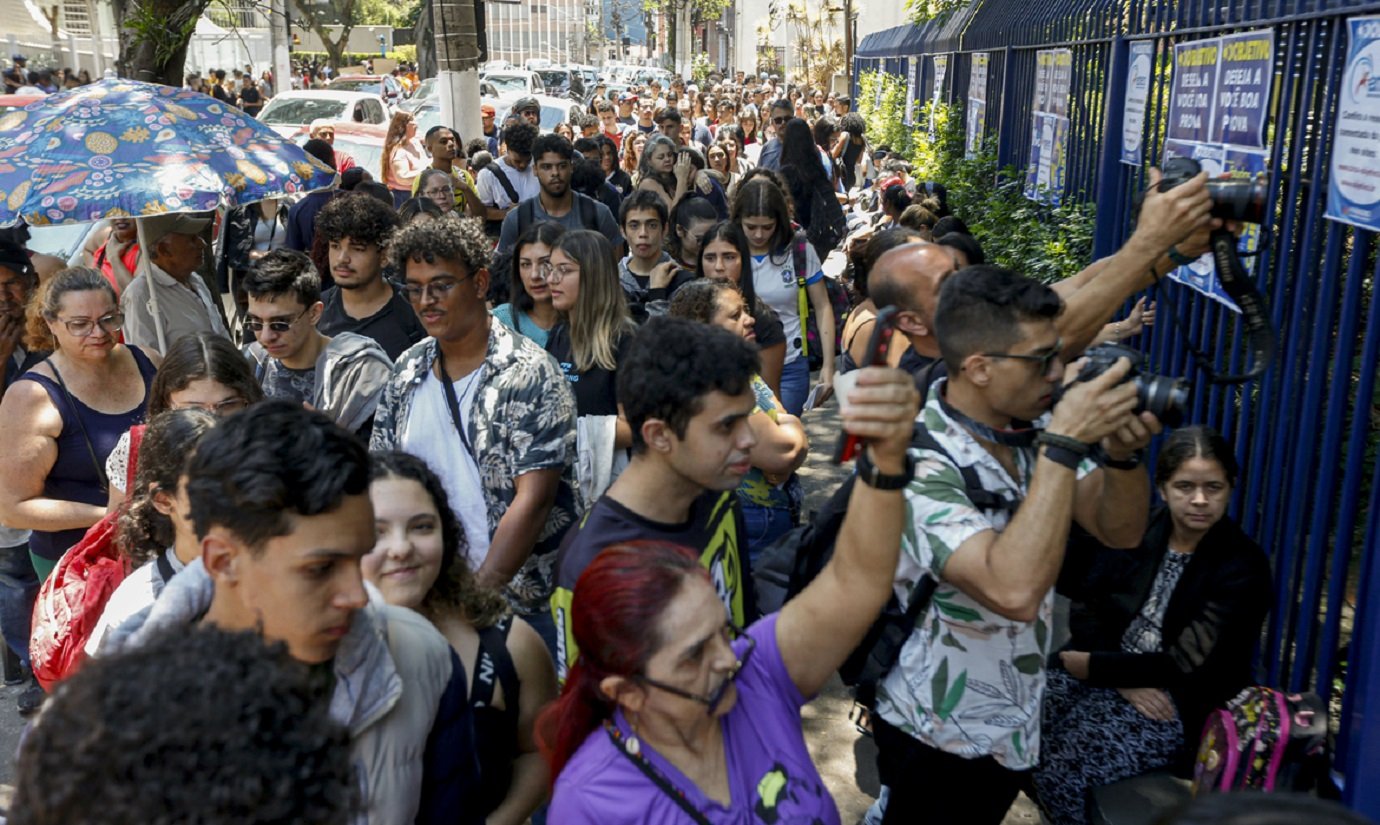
[276, 325]
[439, 289]
[1043, 359]
[84, 327]
[777, 121]
[711, 702]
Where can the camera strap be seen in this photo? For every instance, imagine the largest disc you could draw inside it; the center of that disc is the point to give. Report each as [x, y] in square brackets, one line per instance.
[1237, 283]
[1016, 437]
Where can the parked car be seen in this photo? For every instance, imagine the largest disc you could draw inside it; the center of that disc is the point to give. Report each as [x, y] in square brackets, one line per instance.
[512, 84]
[290, 111]
[426, 90]
[553, 111]
[562, 82]
[385, 86]
[362, 141]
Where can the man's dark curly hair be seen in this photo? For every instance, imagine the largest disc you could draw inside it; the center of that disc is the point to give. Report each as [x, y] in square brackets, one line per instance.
[256, 470]
[671, 364]
[358, 217]
[449, 237]
[519, 138]
[235, 734]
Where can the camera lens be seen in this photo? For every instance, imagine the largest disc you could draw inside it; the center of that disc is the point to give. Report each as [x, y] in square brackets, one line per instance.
[1239, 200]
[1167, 398]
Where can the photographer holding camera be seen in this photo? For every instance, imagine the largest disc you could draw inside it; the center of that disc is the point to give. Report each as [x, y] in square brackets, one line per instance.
[957, 719]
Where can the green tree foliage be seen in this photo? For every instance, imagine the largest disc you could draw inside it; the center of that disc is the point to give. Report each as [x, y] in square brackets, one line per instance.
[153, 37]
[398, 15]
[923, 11]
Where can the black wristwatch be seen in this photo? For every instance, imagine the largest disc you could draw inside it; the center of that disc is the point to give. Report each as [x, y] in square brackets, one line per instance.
[1131, 463]
[869, 474]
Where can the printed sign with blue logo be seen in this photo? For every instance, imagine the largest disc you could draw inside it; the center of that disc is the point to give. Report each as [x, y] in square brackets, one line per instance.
[1353, 191]
[1142, 65]
[977, 104]
[1049, 126]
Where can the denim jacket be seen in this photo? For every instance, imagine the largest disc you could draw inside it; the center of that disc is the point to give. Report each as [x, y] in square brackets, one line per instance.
[523, 420]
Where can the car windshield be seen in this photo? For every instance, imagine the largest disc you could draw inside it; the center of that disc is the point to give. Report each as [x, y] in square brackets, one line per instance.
[60, 240]
[303, 110]
[427, 89]
[557, 80]
[373, 87]
[506, 83]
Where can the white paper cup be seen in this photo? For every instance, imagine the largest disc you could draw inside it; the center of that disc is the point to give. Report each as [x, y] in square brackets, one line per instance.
[843, 385]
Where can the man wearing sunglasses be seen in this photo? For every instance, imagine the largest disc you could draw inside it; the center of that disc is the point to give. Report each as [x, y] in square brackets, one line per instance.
[781, 111]
[342, 376]
[975, 723]
[172, 300]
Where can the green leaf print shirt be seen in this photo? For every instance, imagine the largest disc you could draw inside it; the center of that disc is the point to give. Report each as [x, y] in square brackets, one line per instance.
[969, 681]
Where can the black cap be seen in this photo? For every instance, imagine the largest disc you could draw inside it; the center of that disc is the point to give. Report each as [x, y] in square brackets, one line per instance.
[524, 103]
[19, 58]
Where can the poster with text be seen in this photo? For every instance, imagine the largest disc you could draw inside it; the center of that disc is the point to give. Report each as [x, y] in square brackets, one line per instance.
[1219, 159]
[1353, 190]
[910, 68]
[1138, 73]
[1243, 88]
[1049, 127]
[977, 104]
[941, 71]
[1193, 93]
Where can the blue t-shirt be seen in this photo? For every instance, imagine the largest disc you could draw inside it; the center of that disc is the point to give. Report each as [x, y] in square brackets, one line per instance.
[521, 323]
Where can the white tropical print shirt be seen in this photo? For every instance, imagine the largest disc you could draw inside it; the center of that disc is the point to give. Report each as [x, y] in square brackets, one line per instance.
[523, 420]
[968, 681]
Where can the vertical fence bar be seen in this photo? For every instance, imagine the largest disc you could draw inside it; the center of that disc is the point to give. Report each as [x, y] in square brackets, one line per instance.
[1107, 231]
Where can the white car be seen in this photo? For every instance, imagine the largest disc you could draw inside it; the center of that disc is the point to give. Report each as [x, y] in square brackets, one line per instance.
[289, 111]
[511, 84]
[553, 111]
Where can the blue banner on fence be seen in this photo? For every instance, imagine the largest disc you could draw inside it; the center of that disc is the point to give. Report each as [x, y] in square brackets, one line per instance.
[1193, 93]
[1217, 160]
[1142, 66]
[1243, 88]
[1353, 191]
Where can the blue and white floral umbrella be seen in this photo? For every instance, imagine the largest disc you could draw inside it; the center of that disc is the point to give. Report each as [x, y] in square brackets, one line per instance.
[121, 148]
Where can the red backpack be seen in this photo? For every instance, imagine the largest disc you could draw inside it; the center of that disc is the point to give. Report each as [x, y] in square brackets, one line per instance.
[74, 595]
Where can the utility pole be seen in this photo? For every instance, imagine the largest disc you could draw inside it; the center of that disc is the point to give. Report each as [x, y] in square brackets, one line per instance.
[280, 43]
[457, 66]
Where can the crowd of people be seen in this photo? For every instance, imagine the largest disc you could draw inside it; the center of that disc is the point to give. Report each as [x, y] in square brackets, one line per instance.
[488, 449]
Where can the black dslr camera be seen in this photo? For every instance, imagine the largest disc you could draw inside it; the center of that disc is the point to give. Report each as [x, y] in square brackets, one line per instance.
[1232, 199]
[1166, 397]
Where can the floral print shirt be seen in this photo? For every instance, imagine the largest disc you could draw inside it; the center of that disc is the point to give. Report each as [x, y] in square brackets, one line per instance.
[969, 681]
[523, 419]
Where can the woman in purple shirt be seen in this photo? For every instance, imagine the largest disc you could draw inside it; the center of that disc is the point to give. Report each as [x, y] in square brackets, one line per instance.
[671, 714]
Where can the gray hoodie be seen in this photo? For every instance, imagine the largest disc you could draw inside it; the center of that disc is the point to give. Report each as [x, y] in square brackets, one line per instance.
[351, 373]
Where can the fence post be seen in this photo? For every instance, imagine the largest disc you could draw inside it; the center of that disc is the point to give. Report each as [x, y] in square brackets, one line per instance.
[1361, 705]
[1006, 135]
[1107, 230]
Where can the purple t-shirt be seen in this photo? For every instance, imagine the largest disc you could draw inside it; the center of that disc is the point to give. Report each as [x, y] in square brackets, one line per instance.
[771, 776]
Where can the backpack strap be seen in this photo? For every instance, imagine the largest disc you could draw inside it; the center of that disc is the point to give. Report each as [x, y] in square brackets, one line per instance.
[503, 181]
[136, 438]
[589, 216]
[527, 214]
[801, 297]
[983, 499]
[494, 657]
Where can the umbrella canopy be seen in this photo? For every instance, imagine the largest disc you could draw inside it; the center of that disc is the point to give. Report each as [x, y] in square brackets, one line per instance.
[120, 148]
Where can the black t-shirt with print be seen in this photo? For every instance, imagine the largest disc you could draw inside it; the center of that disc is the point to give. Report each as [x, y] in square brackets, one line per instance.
[396, 327]
[596, 389]
[714, 530]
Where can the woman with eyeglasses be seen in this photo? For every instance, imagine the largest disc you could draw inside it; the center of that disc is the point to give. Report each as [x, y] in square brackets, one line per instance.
[438, 187]
[671, 714]
[64, 415]
[595, 329]
[200, 372]
[530, 312]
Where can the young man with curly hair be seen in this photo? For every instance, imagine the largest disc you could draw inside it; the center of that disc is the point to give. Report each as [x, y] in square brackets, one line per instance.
[490, 412]
[356, 229]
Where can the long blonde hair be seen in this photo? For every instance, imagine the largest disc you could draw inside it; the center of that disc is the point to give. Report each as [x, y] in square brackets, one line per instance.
[600, 317]
[397, 134]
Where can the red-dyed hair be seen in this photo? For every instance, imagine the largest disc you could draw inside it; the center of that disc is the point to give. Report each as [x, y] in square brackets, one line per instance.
[617, 601]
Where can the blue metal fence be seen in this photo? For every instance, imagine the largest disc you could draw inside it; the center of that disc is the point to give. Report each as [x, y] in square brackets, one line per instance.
[1307, 431]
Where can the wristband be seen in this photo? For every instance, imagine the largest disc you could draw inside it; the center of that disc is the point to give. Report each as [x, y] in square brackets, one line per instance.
[1062, 456]
[869, 474]
[1132, 463]
[1073, 445]
[1179, 258]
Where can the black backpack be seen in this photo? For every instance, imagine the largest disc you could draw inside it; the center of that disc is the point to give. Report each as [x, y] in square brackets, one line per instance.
[501, 267]
[828, 225]
[791, 562]
[492, 228]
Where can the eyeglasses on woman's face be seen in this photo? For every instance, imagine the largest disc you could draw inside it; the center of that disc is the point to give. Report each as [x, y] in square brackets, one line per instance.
[85, 327]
